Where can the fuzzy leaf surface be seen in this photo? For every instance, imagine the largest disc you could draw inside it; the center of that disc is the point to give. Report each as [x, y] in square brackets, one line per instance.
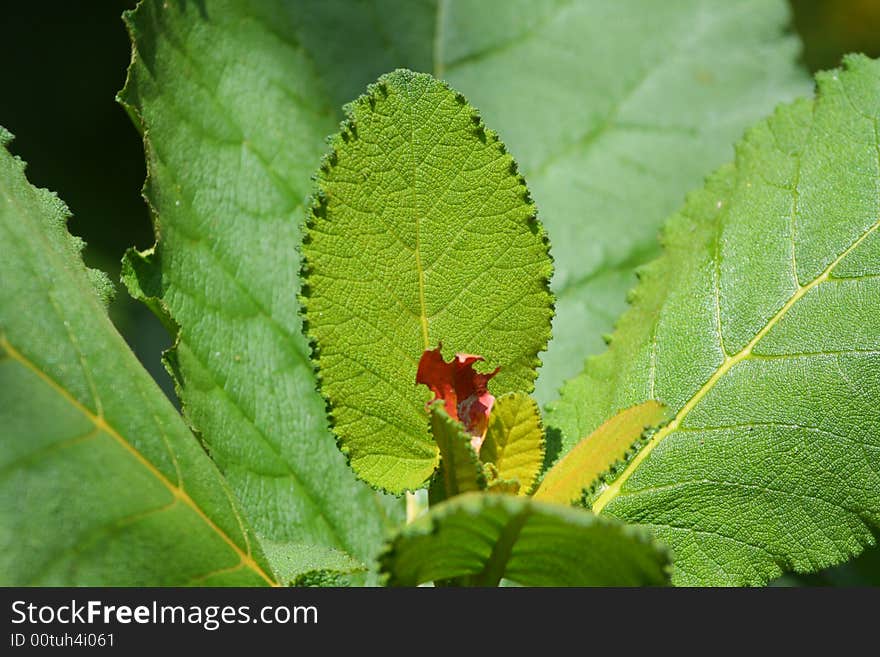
[305, 564]
[514, 441]
[233, 128]
[101, 482]
[759, 329]
[460, 468]
[488, 537]
[596, 454]
[421, 232]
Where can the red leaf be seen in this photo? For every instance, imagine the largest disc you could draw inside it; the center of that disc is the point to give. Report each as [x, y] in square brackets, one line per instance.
[463, 391]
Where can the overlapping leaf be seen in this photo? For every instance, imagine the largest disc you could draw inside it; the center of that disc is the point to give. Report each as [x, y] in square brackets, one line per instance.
[460, 468]
[237, 97]
[514, 442]
[760, 329]
[421, 232]
[101, 483]
[484, 538]
[605, 449]
[233, 128]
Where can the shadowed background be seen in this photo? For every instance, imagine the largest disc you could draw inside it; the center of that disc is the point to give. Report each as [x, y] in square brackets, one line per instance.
[61, 64]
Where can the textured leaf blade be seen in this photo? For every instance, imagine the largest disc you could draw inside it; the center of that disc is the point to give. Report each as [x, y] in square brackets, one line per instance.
[514, 442]
[421, 232]
[230, 146]
[595, 455]
[758, 328]
[487, 537]
[678, 83]
[460, 468]
[101, 482]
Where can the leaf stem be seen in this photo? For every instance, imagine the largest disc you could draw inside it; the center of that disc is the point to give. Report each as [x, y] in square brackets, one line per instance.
[416, 503]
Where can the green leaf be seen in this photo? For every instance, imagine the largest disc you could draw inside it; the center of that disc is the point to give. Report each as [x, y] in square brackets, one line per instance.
[597, 454]
[421, 231]
[487, 537]
[514, 442]
[759, 329]
[460, 468]
[101, 483]
[232, 133]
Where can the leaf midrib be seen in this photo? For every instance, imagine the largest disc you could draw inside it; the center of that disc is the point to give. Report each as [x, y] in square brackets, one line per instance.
[100, 423]
[423, 311]
[729, 362]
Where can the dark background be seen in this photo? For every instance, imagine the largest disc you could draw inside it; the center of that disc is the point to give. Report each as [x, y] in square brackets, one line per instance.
[61, 64]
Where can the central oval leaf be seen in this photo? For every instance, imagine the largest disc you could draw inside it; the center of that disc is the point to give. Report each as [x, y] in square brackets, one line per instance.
[420, 231]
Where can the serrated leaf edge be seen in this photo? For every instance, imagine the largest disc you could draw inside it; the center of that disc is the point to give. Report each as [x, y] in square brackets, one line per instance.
[474, 503]
[315, 207]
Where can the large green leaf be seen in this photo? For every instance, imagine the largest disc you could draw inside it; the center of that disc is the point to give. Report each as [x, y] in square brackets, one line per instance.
[421, 231]
[759, 329]
[231, 128]
[483, 538]
[101, 483]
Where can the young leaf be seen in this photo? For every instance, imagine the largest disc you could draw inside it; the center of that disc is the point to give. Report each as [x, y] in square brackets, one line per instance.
[421, 231]
[497, 485]
[759, 329]
[460, 467]
[487, 537]
[226, 112]
[514, 442]
[101, 483]
[596, 454]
